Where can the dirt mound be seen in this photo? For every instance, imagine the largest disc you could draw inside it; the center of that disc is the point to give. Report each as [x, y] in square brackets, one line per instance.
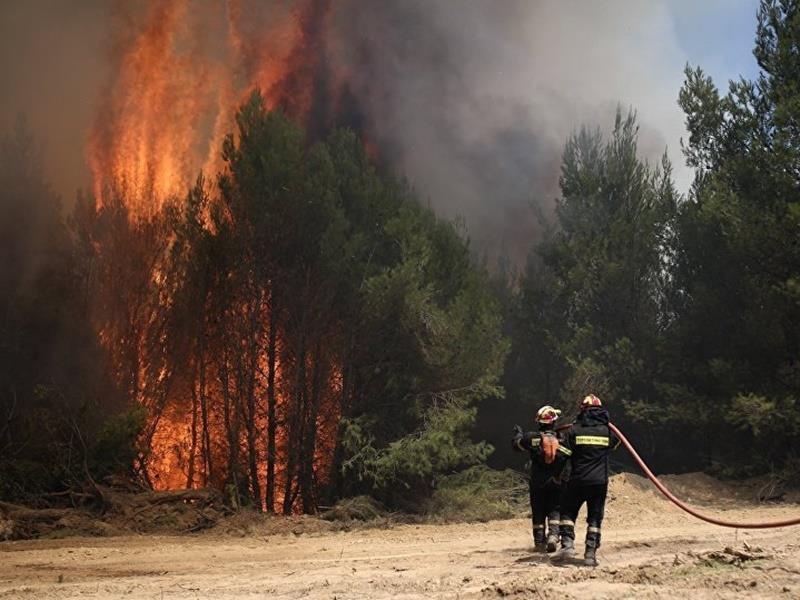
[694, 488]
[703, 489]
[632, 495]
[629, 483]
[632, 498]
[700, 488]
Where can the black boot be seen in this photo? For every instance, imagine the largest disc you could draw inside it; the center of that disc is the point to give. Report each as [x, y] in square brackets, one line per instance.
[592, 544]
[567, 550]
[552, 536]
[539, 544]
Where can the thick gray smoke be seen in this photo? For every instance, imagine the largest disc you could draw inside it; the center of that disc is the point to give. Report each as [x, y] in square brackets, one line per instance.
[470, 99]
[475, 99]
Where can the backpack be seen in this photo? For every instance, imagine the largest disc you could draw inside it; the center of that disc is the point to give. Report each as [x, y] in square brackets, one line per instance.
[549, 447]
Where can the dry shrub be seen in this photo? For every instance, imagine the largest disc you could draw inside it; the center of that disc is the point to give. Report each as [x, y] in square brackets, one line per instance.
[357, 508]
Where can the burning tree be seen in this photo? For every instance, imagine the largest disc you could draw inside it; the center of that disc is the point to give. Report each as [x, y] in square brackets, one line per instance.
[260, 320]
[293, 313]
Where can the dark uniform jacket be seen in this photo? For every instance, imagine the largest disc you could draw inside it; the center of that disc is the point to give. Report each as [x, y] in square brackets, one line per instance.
[590, 441]
[543, 475]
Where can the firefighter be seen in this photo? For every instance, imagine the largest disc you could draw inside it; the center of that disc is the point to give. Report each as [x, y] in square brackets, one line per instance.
[590, 441]
[548, 459]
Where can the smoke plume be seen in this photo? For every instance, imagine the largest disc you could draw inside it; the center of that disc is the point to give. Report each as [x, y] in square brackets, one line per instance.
[470, 100]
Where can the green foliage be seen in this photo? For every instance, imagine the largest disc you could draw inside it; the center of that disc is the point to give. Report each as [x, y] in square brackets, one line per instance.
[739, 323]
[479, 494]
[682, 315]
[594, 303]
[408, 468]
[116, 445]
[424, 332]
[773, 424]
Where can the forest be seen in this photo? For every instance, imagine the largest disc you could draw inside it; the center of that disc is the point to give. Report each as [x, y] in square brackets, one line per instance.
[300, 327]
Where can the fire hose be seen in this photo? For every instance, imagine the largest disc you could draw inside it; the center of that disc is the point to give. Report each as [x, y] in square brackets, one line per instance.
[680, 504]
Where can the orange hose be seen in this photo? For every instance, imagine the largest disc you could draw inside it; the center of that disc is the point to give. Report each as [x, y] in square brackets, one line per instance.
[686, 507]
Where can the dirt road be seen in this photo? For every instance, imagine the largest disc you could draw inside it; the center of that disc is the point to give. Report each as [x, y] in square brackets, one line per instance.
[650, 550]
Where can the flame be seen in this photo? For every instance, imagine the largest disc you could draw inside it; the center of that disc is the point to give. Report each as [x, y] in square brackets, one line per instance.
[183, 69]
[175, 94]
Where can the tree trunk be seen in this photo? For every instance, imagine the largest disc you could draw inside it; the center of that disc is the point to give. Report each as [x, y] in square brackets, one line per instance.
[205, 443]
[208, 469]
[233, 435]
[294, 433]
[251, 404]
[193, 448]
[335, 490]
[310, 438]
[271, 399]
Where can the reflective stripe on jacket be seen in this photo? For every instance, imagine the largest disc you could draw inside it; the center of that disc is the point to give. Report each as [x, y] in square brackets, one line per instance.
[591, 441]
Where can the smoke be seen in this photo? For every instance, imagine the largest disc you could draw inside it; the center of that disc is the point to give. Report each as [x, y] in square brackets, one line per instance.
[54, 59]
[470, 100]
[474, 99]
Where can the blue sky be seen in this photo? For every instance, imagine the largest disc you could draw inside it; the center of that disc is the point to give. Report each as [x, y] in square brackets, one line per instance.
[718, 36]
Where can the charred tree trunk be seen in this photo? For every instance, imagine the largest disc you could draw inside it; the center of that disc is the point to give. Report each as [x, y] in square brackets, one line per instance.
[205, 438]
[310, 437]
[232, 432]
[208, 469]
[272, 426]
[193, 447]
[238, 408]
[252, 455]
[294, 434]
[251, 451]
[150, 431]
[335, 488]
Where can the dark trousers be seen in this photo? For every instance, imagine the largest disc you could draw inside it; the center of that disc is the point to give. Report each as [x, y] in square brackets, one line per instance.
[545, 508]
[595, 498]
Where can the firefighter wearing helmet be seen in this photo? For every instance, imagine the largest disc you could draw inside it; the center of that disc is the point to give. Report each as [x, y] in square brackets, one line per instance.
[548, 459]
[590, 440]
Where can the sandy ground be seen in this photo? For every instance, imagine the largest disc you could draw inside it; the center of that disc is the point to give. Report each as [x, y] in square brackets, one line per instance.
[650, 550]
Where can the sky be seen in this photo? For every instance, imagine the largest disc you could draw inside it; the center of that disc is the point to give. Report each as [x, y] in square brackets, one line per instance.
[55, 60]
[717, 34]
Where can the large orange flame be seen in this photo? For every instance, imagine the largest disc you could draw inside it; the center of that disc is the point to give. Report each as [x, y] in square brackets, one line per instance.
[180, 76]
[183, 68]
